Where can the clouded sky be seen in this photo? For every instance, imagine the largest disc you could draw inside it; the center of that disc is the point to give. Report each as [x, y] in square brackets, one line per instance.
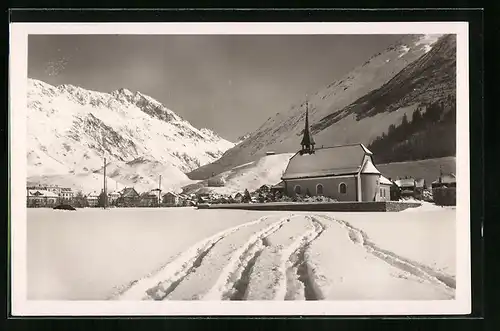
[230, 84]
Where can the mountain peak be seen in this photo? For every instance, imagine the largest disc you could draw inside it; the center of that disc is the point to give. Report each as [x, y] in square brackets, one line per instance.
[70, 130]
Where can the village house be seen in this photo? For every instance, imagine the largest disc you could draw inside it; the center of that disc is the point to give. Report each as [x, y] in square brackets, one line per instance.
[64, 194]
[278, 188]
[264, 189]
[113, 197]
[238, 197]
[407, 187]
[384, 193]
[92, 199]
[344, 173]
[444, 190]
[41, 198]
[149, 199]
[171, 199]
[128, 197]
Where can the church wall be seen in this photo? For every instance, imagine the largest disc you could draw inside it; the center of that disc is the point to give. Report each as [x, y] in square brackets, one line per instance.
[369, 187]
[330, 187]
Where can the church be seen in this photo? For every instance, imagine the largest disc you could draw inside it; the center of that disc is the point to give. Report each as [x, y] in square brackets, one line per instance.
[344, 173]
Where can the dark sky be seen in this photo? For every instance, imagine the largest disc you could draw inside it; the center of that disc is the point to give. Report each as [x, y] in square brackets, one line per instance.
[228, 83]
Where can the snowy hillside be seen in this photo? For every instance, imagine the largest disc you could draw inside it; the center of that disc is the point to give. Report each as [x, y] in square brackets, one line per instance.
[332, 121]
[71, 130]
[265, 171]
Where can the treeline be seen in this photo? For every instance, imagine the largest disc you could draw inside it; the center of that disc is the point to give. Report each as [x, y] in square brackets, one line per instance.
[429, 134]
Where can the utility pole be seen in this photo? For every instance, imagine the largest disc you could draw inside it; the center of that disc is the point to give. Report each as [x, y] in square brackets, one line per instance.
[159, 193]
[105, 193]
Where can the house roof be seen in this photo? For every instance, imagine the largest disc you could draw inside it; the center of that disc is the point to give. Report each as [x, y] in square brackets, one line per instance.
[420, 182]
[129, 192]
[279, 185]
[328, 161]
[446, 179]
[385, 180]
[172, 194]
[42, 193]
[405, 182]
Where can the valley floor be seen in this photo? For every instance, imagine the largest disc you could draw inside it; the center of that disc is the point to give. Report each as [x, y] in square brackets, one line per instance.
[190, 254]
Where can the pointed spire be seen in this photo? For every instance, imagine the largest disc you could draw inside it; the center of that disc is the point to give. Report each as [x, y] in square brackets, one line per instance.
[307, 140]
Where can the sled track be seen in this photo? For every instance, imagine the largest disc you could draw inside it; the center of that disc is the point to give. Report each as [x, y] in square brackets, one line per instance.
[233, 282]
[158, 284]
[298, 271]
[419, 270]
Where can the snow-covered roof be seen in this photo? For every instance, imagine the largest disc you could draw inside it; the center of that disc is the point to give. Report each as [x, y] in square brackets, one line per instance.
[172, 194]
[328, 161]
[369, 168]
[405, 182]
[129, 192]
[446, 179]
[279, 185]
[385, 180]
[420, 182]
[42, 193]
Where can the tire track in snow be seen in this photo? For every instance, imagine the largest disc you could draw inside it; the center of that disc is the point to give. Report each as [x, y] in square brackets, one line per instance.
[155, 285]
[419, 270]
[233, 280]
[298, 273]
[209, 280]
[270, 275]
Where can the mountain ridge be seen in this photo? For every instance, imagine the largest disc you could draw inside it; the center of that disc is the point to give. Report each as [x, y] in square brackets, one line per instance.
[282, 132]
[71, 130]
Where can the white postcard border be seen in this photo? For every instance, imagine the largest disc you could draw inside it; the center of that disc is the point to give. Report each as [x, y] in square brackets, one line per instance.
[20, 306]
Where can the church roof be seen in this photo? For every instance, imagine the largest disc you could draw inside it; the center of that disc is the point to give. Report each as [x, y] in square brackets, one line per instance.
[369, 168]
[329, 161]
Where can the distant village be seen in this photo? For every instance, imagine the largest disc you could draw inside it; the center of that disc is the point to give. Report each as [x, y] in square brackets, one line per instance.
[344, 173]
[441, 192]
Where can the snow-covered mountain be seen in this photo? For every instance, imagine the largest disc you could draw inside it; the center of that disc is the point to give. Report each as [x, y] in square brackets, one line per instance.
[71, 130]
[332, 120]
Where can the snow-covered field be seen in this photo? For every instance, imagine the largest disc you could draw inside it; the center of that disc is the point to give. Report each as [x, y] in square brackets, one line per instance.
[189, 254]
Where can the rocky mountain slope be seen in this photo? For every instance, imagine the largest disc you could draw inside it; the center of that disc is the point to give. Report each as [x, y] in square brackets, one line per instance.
[340, 113]
[71, 129]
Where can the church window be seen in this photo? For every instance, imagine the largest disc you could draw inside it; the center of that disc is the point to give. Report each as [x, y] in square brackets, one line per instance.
[319, 189]
[342, 188]
[297, 189]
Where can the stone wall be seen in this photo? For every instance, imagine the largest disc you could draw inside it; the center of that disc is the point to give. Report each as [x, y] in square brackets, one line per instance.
[376, 206]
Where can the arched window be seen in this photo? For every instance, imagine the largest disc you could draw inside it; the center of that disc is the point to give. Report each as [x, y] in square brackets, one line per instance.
[342, 188]
[319, 189]
[297, 189]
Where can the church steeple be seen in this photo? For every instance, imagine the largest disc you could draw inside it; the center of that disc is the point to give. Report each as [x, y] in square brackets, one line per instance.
[307, 141]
